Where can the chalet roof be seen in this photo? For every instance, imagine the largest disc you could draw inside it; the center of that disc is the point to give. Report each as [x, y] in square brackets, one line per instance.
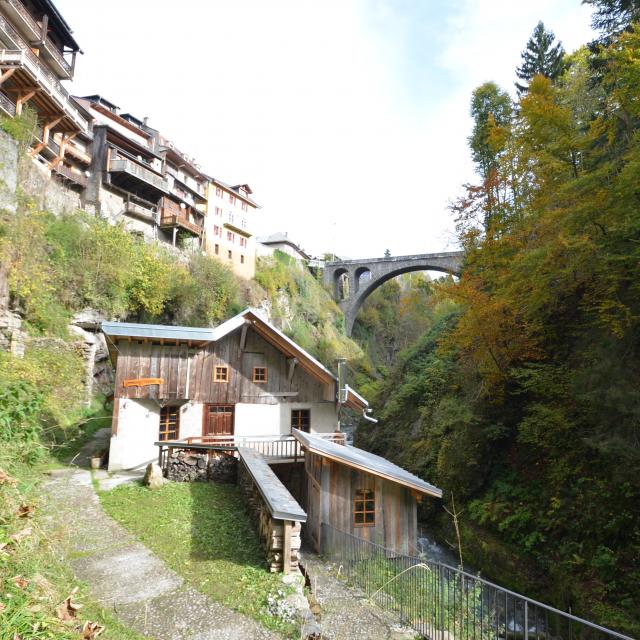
[57, 23]
[365, 461]
[202, 335]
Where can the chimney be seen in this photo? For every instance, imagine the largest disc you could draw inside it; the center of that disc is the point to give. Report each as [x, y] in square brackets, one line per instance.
[343, 387]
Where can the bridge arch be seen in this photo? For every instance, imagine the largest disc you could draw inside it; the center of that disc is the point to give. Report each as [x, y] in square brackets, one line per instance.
[360, 285]
[361, 295]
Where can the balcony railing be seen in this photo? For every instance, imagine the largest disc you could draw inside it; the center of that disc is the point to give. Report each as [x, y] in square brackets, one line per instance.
[124, 165]
[147, 213]
[36, 28]
[172, 215]
[7, 105]
[25, 58]
[78, 153]
[74, 176]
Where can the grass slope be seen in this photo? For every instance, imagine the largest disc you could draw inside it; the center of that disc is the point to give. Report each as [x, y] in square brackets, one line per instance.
[204, 534]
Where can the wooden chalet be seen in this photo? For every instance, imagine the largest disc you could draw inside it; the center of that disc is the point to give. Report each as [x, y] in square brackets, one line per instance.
[247, 391]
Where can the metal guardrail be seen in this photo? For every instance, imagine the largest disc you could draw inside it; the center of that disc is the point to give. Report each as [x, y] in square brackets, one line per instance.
[442, 602]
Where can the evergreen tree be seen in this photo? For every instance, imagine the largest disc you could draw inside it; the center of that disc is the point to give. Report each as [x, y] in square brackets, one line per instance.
[613, 16]
[541, 56]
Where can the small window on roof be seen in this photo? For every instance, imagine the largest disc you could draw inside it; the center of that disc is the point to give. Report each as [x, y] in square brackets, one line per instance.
[364, 508]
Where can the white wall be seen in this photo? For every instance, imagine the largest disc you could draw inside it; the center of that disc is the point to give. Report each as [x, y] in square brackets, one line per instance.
[190, 420]
[132, 446]
[257, 419]
[324, 418]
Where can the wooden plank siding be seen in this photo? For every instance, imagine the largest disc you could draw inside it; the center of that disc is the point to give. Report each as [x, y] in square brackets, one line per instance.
[187, 372]
[395, 506]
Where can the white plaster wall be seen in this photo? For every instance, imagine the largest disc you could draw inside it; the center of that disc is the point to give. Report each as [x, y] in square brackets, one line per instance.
[258, 420]
[190, 420]
[323, 416]
[132, 446]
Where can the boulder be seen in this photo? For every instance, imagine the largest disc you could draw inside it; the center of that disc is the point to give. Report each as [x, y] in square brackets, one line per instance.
[153, 476]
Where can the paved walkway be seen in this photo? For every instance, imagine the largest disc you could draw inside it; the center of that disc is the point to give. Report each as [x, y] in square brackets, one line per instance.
[346, 614]
[123, 574]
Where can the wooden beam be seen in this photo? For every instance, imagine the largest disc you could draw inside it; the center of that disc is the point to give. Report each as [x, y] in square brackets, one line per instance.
[7, 74]
[292, 367]
[45, 137]
[243, 336]
[22, 99]
[286, 547]
[66, 138]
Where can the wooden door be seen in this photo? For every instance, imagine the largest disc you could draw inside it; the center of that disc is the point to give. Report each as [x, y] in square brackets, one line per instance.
[218, 420]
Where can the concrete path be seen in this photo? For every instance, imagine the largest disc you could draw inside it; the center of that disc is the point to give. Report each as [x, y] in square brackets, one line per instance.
[123, 574]
[346, 614]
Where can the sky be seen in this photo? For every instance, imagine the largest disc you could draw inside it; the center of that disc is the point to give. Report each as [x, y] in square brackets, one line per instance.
[348, 118]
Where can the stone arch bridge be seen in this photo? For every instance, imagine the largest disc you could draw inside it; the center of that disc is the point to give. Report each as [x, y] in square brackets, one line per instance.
[354, 280]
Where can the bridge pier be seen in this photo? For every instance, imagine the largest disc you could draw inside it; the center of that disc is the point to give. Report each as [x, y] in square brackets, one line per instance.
[351, 286]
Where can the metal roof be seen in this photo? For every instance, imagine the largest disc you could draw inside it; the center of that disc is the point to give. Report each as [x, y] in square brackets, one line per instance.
[368, 462]
[158, 331]
[280, 502]
[209, 334]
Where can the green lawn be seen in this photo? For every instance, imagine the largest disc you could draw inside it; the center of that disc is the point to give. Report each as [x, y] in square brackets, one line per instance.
[202, 531]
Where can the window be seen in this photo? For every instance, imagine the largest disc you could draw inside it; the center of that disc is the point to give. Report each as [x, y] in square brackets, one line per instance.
[169, 423]
[301, 419]
[244, 206]
[232, 199]
[221, 374]
[243, 242]
[230, 217]
[229, 236]
[259, 374]
[216, 230]
[219, 194]
[364, 508]
[218, 211]
[243, 223]
[217, 249]
[241, 259]
[230, 255]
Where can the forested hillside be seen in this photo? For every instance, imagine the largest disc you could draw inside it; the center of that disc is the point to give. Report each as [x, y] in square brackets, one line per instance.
[521, 400]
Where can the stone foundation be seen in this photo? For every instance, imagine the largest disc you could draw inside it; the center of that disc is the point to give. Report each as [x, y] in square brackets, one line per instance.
[185, 466]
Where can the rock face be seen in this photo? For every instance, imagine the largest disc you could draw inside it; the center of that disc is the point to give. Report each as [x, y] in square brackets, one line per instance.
[183, 466]
[86, 325]
[153, 476]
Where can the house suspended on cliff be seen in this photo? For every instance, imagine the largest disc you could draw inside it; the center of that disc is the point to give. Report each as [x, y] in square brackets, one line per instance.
[245, 390]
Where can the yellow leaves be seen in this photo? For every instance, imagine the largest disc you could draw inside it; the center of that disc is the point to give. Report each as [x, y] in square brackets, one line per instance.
[68, 609]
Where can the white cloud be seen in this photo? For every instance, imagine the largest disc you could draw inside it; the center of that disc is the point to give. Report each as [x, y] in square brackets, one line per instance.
[314, 103]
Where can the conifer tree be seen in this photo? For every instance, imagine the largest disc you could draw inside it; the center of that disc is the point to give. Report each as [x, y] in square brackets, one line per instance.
[541, 56]
[613, 16]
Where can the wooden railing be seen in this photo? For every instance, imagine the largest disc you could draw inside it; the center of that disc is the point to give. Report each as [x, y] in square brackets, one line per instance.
[272, 447]
[171, 215]
[131, 167]
[25, 58]
[74, 176]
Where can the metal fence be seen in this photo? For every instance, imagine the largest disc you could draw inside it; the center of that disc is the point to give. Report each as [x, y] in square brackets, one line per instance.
[445, 603]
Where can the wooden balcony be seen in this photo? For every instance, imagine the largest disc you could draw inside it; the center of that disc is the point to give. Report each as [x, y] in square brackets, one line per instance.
[77, 153]
[171, 215]
[73, 176]
[38, 38]
[137, 173]
[275, 448]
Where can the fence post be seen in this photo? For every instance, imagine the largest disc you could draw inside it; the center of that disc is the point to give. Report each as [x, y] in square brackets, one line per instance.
[526, 620]
[440, 571]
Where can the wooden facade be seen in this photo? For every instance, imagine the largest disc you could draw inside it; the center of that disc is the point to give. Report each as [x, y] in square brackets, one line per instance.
[331, 490]
[187, 372]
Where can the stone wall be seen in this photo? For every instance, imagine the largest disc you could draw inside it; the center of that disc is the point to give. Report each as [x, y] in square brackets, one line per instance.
[8, 172]
[270, 530]
[190, 466]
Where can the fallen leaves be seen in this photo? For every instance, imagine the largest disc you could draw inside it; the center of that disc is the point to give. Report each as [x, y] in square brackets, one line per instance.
[2, 607]
[5, 478]
[68, 609]
[21, 535]
[25, 511]
[20, 582]
[91, 630]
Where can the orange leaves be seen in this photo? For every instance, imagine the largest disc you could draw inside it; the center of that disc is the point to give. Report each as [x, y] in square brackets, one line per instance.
[91, 630]
[20, 582]
[25, 511]
[68, 609]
